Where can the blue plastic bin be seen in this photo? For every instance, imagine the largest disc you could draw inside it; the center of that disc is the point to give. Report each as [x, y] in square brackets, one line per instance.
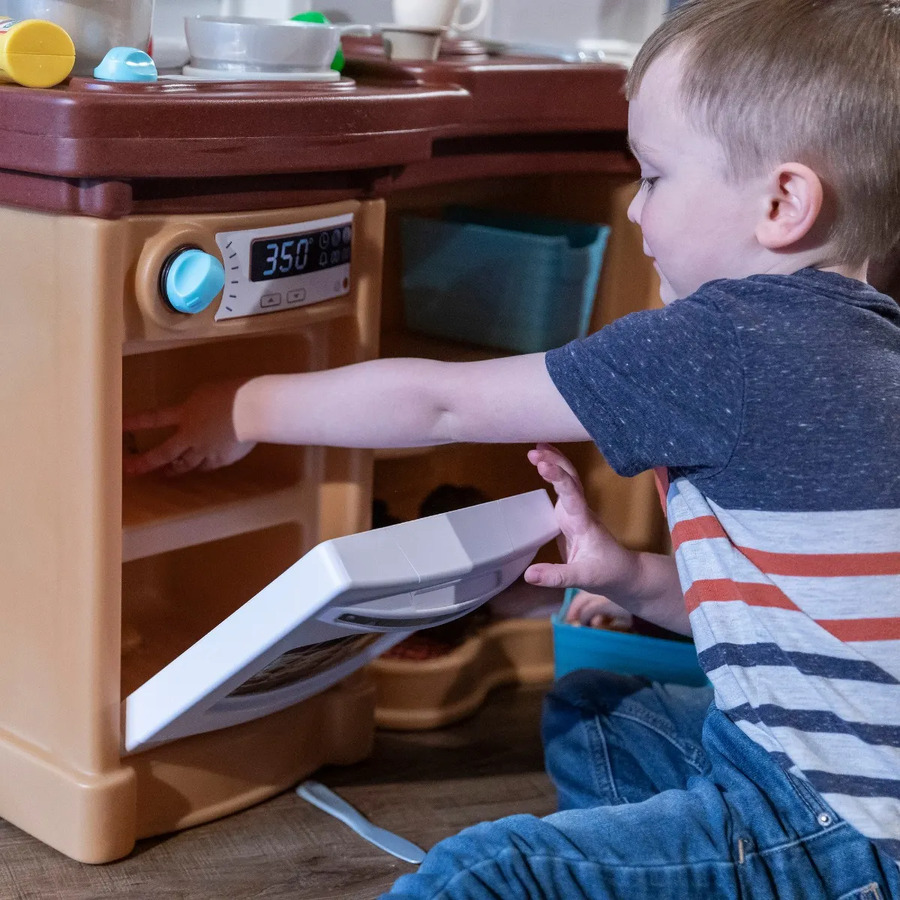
[519, 283]
[659, 659]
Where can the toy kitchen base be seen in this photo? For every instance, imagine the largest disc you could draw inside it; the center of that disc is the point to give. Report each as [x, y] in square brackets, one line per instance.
[111, 581]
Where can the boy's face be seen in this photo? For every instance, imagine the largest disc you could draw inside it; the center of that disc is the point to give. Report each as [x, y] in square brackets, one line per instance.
[697, 224]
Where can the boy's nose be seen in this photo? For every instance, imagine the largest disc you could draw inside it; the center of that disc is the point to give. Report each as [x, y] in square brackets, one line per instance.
[634, 209]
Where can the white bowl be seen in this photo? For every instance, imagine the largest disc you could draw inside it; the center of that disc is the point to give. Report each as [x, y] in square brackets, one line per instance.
[263, 45]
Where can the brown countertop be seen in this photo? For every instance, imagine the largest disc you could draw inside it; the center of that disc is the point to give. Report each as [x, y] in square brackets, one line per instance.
[101, 149]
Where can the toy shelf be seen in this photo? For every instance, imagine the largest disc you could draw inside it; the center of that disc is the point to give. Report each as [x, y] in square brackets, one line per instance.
[160, 514]
[627, 283]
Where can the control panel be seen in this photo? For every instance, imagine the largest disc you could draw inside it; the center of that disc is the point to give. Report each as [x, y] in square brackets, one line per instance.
[273, 269]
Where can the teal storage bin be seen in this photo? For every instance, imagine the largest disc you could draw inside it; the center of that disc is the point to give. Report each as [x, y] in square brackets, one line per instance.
[518, 283]
[659, 659]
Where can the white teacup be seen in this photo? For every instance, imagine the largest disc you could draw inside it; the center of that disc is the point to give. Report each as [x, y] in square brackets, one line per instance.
[439, 13]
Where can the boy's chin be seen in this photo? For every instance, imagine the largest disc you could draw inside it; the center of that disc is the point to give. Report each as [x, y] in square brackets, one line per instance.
[666, 292]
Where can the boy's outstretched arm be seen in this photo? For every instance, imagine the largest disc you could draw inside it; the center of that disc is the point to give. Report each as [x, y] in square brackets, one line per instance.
[646, 584]
[381, 403]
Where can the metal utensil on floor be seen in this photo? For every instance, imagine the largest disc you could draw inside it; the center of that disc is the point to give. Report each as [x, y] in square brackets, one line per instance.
[325, 799]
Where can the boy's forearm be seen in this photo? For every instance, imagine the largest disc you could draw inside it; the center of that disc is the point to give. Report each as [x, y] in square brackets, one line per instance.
[340, 407]
[407, 403]
[653, 592]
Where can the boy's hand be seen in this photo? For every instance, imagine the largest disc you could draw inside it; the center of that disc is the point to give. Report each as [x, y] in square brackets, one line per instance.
[596, 612]
[595, 561]
[204, 435]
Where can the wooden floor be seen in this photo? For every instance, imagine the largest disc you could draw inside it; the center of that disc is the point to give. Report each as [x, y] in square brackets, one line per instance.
[424, 786]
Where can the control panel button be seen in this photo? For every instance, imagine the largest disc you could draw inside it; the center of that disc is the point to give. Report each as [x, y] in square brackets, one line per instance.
[267, 301]
[297, 296]
[191, 280]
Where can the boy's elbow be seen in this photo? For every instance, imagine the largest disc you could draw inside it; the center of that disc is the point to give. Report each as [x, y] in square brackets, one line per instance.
[446, 427]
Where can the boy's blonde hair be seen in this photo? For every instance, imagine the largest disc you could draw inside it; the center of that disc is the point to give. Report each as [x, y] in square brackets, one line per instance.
[809, 81]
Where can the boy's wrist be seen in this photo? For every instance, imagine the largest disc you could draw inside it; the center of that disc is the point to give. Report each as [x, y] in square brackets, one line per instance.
[643, 580]
[245, 412]
[622, 586]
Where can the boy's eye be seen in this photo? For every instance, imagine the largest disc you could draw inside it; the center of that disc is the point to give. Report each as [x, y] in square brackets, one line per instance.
[648, 182]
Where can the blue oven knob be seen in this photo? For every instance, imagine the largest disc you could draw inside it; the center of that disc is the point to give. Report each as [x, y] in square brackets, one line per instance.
[191, 279]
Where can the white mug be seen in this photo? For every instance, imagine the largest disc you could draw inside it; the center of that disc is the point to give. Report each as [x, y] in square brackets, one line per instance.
[438, 13]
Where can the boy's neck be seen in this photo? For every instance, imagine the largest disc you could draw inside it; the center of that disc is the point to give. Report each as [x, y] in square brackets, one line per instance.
[787, 265]
[859, 272]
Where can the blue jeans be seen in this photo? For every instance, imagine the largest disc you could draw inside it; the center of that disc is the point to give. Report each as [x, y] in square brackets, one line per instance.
[661, 796]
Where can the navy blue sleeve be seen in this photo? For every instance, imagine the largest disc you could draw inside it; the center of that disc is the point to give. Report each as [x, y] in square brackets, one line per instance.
[657, 388]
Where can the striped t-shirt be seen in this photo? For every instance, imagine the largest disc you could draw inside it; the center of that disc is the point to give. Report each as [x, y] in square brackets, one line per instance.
[773, 404]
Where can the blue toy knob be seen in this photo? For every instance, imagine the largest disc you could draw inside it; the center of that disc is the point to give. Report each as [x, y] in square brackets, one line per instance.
[191, 280]
[126, 64]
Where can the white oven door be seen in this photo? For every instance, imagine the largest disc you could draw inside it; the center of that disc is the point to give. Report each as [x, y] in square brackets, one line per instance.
[339, 606]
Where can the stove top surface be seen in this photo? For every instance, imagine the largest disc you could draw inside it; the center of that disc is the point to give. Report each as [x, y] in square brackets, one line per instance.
[379, 118]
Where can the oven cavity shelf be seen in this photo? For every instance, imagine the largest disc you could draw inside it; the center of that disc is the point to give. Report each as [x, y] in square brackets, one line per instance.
[159, 514]
[172, 599]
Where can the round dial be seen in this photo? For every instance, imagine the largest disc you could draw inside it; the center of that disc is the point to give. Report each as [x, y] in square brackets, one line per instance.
[191, 279]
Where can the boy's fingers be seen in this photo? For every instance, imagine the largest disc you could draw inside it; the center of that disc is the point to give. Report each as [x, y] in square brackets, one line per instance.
[579, 601]
[562, 473]
[545, 575]
[153, 418]
[576, 610]
[163, 455]
[567, 488]
[558, 472]
[560, 480]
[553, 575]
[185, 462]
[562, 461]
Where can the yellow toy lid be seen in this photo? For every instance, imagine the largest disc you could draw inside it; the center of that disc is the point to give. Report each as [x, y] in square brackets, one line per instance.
[35, 53]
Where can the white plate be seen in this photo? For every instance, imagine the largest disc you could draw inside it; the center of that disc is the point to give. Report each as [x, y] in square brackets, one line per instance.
[191, 73]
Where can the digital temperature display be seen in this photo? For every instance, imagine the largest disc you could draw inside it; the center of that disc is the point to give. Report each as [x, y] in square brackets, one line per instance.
[289, 255]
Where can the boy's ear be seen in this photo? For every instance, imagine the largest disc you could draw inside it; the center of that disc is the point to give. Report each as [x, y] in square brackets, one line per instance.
[794, 197]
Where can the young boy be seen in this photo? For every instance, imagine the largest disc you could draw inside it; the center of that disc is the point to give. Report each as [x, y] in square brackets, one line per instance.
[768, 392]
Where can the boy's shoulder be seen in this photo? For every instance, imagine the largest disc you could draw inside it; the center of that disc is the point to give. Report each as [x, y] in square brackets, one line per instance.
[727, 317]
[807, 285]
[811, 299]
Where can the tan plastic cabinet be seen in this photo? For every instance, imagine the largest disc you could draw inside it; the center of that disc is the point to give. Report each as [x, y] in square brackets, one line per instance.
[105, 582]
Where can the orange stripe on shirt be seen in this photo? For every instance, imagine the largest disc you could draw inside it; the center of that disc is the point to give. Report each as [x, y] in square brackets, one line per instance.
[807, 565]
[833, 565]
[696, 530]
[723, 590]
[661, 474]
[862, 629]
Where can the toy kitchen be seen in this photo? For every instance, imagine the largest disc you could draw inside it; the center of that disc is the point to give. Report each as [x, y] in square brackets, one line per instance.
[176, 649]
